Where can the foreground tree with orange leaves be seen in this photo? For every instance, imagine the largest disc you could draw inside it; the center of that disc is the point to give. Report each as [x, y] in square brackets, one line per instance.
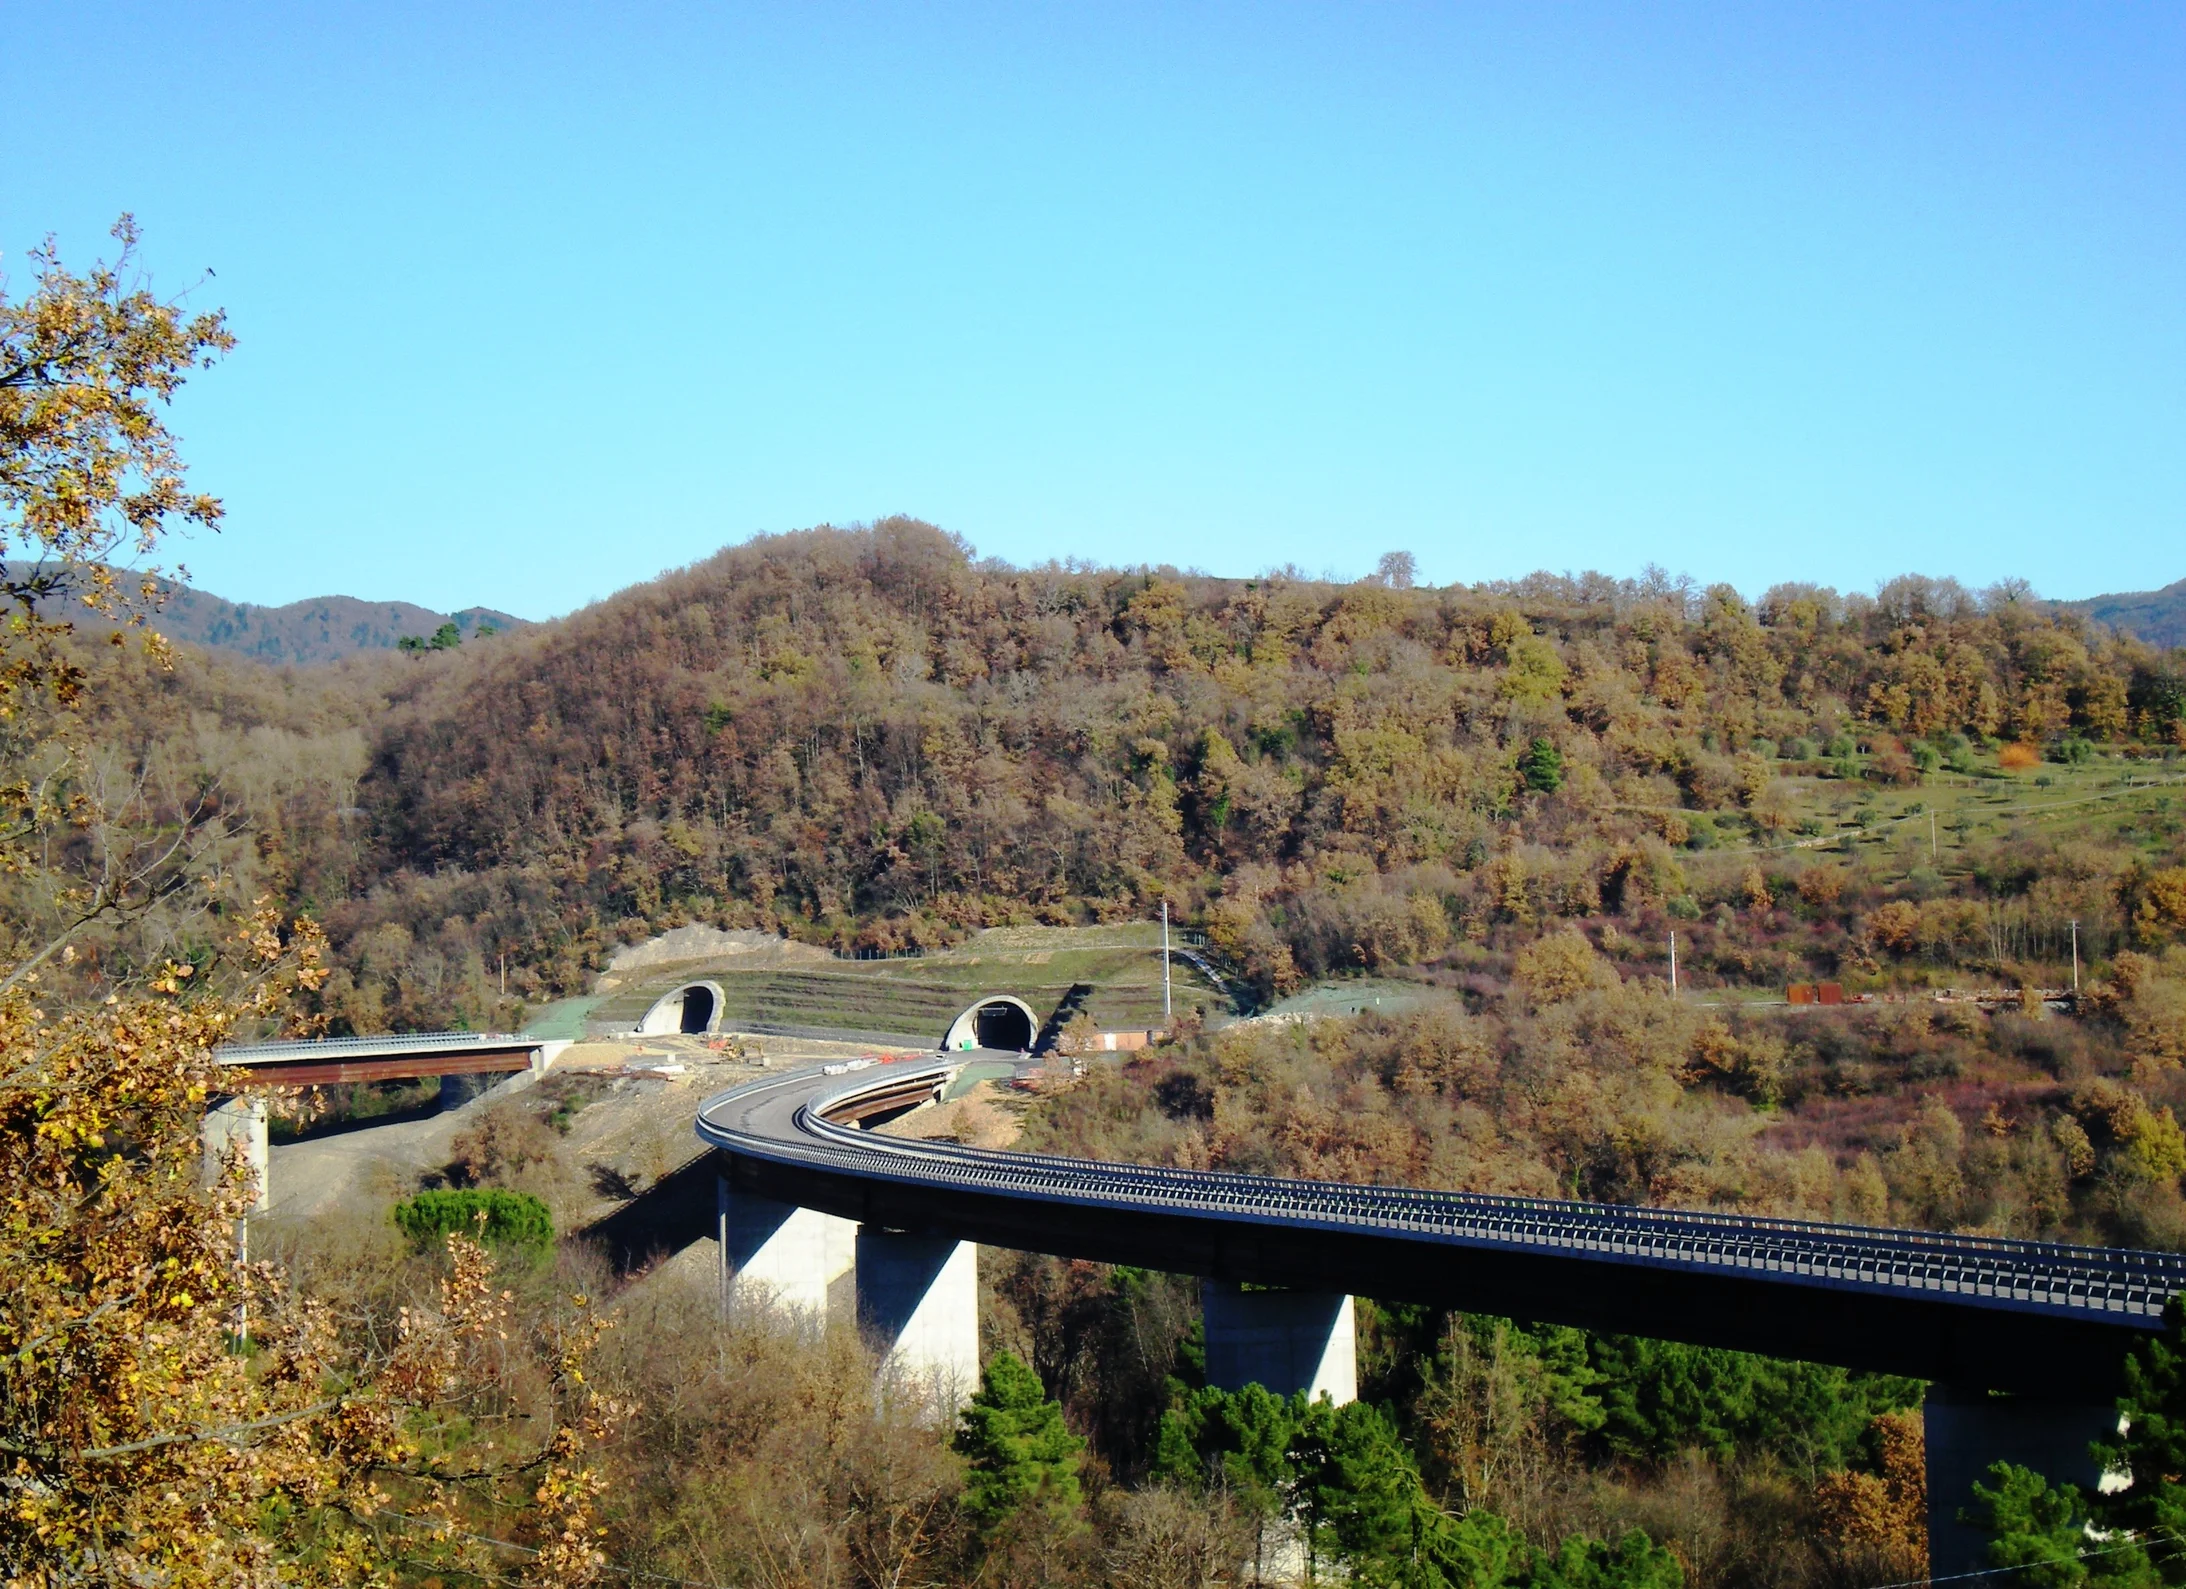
[170, 1413]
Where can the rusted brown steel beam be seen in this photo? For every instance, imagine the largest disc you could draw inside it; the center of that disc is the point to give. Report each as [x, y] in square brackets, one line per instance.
[405, 1067]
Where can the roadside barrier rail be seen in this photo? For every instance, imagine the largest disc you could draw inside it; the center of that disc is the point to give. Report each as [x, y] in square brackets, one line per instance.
[2113, 1285]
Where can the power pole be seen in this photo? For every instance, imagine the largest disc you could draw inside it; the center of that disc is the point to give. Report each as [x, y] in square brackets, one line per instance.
[1165, 962]
[1673, 962]
[1935, 856]
[2075, 960]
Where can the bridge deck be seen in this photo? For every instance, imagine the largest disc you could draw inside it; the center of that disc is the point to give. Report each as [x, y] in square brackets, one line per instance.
[1972, 1310]
[400, 1056]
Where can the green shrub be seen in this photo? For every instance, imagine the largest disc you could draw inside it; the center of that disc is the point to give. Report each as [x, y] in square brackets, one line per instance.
[500, 1219]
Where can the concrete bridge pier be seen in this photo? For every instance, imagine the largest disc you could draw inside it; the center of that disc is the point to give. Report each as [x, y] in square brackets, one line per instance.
[1285, 1340]
[236, 1123]
[777, 1254]
[1968, 1429]
[918, 1303]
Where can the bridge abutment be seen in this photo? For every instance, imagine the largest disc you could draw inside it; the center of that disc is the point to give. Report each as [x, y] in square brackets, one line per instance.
[1968, 1429]
[238, 1123]
[779, 1255]
[1285, 1340]
[918, 1303]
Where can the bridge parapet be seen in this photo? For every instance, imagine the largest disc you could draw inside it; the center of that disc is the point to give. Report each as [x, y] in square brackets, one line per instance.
[401, 1056]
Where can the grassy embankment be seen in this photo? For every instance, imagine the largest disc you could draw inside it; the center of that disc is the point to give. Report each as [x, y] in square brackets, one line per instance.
[919, 997]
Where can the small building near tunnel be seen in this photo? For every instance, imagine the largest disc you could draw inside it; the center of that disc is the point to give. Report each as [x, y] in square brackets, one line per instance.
[695, 1007]
[999, 1020]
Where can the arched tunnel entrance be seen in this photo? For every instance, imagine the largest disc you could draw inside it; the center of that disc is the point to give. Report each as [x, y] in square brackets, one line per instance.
[695, 1007]
[996, 1021]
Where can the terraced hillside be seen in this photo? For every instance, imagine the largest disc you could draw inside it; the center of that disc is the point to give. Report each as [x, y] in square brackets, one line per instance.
[917, 998]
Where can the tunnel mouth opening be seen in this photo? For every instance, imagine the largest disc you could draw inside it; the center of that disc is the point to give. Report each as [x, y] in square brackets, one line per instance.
[1003, 1026]
[690, 1009]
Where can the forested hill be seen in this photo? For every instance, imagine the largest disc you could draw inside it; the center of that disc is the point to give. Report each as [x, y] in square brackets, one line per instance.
[1508, 797]
[864, 736]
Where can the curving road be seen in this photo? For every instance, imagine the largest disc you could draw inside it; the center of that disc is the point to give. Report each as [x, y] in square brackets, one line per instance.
[1974, 1311]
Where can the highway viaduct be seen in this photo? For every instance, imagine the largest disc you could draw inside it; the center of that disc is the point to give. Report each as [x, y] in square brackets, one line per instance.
[2021, 1342]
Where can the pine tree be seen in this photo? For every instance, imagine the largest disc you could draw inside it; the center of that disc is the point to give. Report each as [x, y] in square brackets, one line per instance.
[1543, 766]
[2152, 1449]
[1023, 1459]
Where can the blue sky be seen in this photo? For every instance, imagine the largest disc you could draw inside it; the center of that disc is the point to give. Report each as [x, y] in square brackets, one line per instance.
[538, 300]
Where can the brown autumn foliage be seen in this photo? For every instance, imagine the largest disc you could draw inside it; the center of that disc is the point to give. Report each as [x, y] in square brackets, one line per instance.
[867, 738]
[1570, 1082]
[1874, 1526]
[169, 1412]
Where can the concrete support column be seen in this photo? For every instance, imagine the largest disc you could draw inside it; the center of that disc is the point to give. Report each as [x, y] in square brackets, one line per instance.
[777, 1254]
[1968, 1429]
[238, 1124]
[918, 1302]
[1285, 1340]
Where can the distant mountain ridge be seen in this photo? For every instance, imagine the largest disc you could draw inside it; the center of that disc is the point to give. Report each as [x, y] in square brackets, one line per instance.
[301, 633]
[2156, 616]
[320, 629]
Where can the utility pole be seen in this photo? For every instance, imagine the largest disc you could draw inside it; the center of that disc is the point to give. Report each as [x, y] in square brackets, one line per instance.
[2075, 960]
[1165, 962]
[1673, 962]
[1935, 856]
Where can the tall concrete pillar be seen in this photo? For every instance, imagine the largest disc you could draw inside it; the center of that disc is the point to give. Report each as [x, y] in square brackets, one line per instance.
[918, 1303]
[1285, 1340]
[777, 1254]
[1967, 1430]
[238, 1124]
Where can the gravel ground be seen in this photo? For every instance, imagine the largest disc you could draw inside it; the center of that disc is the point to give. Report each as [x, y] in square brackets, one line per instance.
[630, 1127]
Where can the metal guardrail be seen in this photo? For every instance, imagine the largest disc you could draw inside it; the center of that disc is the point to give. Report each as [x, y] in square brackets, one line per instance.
[394, 1043]
[2115, 1285]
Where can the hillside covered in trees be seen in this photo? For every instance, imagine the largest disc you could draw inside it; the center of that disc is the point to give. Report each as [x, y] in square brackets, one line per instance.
[1507, 796]
[868, 738]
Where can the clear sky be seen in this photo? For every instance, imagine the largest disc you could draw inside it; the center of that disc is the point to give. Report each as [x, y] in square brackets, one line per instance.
[536, 300]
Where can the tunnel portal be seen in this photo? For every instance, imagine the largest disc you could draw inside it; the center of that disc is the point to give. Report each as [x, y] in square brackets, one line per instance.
[695, 1008]
[997, 1021]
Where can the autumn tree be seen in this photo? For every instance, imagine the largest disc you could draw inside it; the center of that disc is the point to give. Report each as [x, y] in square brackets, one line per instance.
[168, 1412]
[88, 470]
